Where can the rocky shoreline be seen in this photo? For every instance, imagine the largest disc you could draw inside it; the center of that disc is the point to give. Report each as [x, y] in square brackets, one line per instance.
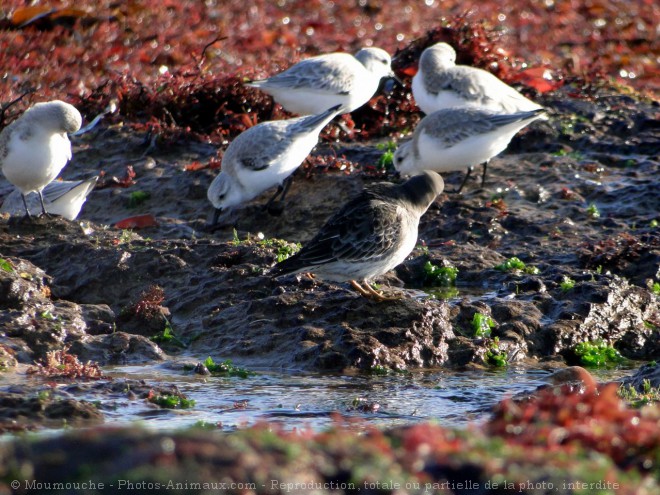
[574, 200]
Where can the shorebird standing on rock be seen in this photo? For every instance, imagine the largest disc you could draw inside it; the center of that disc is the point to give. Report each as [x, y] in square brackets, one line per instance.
[440, 83]
[35, 147]
[317, 83]
[459, 138]
[369, 236]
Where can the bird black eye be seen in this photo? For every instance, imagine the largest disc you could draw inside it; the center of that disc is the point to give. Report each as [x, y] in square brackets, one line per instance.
[399, 159]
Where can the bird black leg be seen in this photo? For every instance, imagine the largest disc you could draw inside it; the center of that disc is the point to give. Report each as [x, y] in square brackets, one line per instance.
[27, 210]
[43, 207]
[216, 215]
[483, 175]
[280, 188]
[467, 176]
[276, 208]
[397, 79]
[287, 185]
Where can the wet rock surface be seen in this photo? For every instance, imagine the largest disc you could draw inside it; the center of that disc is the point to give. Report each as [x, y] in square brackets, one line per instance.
[649, 373]
[40, 405]
[332, 332]
[21, 413]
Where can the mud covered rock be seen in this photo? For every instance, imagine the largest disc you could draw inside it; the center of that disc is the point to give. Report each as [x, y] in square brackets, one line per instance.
[7, 358]
[28, 313]
[120, 390]
[116, 348]
[36, 404]
[632, 255]
[330, 328]
[21, 285]
[20, 412]
[650, 372]
[611, 310]
[100, 318]
[35, 323]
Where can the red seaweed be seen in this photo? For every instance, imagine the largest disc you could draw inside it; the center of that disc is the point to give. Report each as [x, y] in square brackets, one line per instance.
[177, 69]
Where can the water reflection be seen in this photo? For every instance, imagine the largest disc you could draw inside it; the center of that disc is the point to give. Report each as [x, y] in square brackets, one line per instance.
[310, 400]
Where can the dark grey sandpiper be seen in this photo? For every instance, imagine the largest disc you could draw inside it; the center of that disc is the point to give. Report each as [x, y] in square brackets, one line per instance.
[369, 236]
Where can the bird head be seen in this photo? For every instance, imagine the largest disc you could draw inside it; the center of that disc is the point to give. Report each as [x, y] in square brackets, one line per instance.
[224, 192]
[56, 115]
[421, 190]
[404, 158]
[376, 60]
[442, 54]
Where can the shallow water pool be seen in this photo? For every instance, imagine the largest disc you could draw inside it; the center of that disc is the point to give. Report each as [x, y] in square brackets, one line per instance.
[312, 400]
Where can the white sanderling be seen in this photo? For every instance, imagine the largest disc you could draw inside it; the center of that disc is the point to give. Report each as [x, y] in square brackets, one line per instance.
[35, 147]
[459, 138]
[317, 83]
[264, 156]
[440, 83]
[64, 198]
[369, 236]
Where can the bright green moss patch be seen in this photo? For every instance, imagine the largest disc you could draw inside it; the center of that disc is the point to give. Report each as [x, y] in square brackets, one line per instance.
[378, 370]
[593, 211]
[283, 249]
[443, 276]
[597, 354]
[496, 356]
[386, 160]
[226, 368]
[138, 198]
[170, 401]
[482, 325]
[6, 265]
[567, 283]
[516, 264]
[655, 288]
[167, 336]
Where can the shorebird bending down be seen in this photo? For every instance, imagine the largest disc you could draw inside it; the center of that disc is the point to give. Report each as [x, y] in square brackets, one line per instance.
[265, 156]
[369, 236]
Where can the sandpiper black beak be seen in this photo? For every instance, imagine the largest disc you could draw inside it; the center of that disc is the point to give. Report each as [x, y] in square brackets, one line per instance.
[396, 78]
[390, 81]
[216, 215]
